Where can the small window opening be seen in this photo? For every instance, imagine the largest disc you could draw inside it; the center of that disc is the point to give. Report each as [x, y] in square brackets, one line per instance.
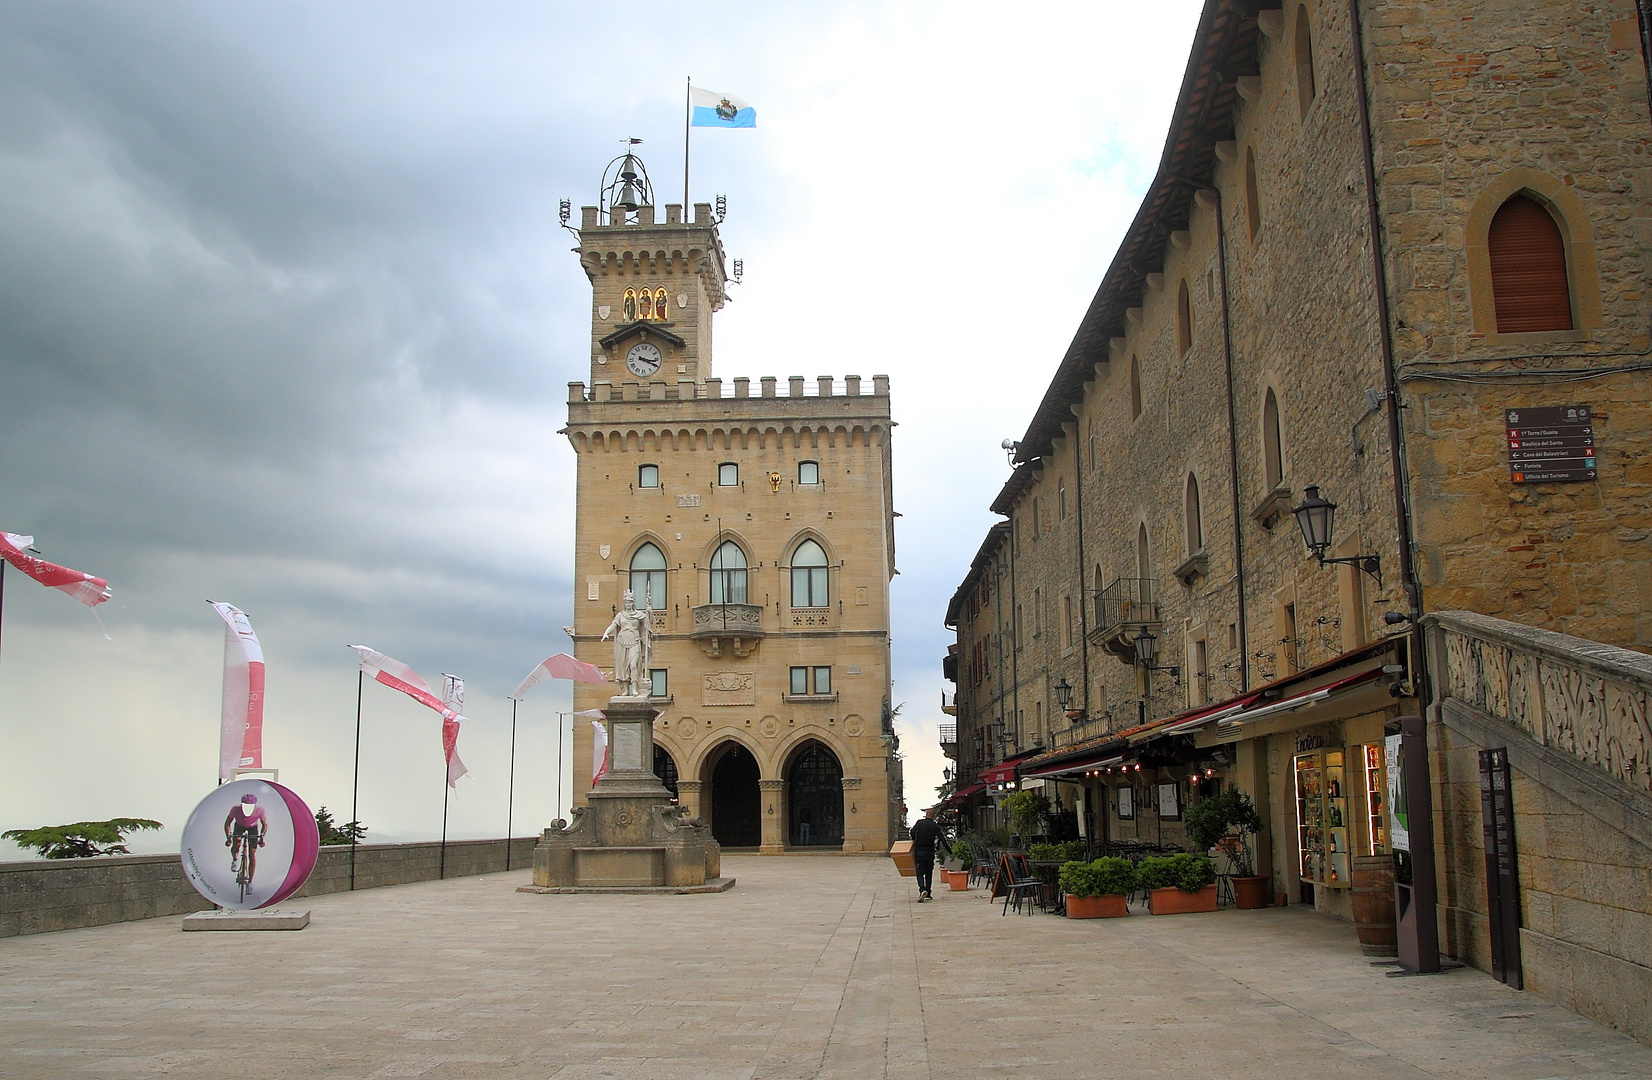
[1184, 319]
[1273, 459]
[808, 472]
[728, 474]
[648, 476]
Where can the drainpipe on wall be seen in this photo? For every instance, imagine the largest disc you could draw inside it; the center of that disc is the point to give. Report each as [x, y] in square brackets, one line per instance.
[1083, 619]
[1425, 928]
[1233, 446]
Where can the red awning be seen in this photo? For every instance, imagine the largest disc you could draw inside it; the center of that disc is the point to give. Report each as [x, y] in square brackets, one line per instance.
[1081, 765]
[958, 798]
[1302, 700]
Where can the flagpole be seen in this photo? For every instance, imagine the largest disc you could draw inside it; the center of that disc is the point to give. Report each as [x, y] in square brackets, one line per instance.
[441, 865]
[559, 764]
[355, 785]
[2, 592]
[510, 799]
[688, 111]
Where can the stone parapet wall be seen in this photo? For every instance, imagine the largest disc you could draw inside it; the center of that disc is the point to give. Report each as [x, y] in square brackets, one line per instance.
[1572, 714]
[44, 895]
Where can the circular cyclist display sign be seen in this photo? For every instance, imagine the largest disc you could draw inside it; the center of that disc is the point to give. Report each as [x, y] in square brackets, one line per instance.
[249, 844]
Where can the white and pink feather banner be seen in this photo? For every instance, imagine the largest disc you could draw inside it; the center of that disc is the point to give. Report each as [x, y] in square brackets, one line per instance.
[241, 734]
[560, 666]
[398, 676]
[89, 590]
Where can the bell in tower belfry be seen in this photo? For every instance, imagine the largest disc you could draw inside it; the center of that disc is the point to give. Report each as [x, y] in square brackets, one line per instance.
[658, 275]
[629, 190]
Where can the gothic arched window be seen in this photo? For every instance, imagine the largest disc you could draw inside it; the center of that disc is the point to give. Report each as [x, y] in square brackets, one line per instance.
[1273, 455]
[648, 577]
[809, 576]
[629, 310]
[1528, 268]
[728, 574]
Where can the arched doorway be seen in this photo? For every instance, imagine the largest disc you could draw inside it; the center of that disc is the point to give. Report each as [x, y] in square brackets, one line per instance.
[736, 807]
[665, 767]
[814, 797]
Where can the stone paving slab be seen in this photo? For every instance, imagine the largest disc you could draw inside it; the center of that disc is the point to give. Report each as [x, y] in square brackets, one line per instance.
[807, 968]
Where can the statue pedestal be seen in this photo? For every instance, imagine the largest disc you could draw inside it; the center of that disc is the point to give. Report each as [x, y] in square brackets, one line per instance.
[631, 835]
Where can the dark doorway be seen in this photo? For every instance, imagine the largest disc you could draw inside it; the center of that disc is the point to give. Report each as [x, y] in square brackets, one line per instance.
[814, 798]
[665, 768]
[736, 807]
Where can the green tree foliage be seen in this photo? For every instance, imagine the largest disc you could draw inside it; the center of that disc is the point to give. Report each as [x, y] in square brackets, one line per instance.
[333, 834]
[82, 840]
[1027, 809]
[1209, 820]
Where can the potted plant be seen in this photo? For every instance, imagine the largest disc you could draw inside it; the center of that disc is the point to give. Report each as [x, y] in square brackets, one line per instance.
[1228, 820]
[1027, 810]
[1179, 884]
[1099, 889]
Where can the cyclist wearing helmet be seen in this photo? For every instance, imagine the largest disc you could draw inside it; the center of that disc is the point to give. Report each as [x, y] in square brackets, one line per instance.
[244, 831]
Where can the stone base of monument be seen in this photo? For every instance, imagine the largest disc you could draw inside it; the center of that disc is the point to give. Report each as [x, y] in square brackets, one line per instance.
[263, 919]
[631, 837]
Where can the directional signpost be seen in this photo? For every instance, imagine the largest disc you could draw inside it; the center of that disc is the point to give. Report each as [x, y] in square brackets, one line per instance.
[1549, 445]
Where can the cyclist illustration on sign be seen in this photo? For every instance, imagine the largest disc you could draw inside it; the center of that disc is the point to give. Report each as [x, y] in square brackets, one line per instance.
[244, 831]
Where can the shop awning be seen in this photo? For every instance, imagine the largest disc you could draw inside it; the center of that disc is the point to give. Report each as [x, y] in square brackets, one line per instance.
[1004, 771]
[1298, 701]
[963, 795]
[1209, 715]
[1074, 767]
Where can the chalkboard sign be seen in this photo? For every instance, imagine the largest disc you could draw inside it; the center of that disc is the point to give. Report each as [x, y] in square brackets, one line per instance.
[1551, 445]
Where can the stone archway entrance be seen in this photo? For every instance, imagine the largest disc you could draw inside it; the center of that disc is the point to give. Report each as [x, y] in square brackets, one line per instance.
[735, 806]
[665, 767]
[814, 797]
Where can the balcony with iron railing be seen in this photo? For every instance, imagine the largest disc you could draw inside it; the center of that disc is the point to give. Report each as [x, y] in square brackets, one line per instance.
[1122, 608]
[949, 740]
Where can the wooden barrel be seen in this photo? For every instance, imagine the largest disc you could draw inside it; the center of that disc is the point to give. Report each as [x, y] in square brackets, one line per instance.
[1374, 905]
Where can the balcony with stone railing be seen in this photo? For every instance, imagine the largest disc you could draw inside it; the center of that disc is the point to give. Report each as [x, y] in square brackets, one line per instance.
[736, 627]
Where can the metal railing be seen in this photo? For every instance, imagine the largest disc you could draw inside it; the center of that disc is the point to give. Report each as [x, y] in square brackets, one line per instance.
[1126, 602]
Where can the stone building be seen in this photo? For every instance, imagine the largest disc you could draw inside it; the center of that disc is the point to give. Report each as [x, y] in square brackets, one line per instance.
[1401, 263]
[755, 523]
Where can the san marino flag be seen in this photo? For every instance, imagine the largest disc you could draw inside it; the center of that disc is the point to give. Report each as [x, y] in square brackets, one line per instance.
[712, 109]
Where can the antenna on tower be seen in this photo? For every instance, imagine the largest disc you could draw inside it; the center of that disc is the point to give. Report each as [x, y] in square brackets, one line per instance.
[628, 190]
[722, 208]
[565, 211]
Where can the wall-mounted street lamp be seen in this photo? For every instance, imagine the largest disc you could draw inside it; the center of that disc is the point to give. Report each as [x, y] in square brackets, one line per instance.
[1147, 649]
[1063, 693]
[1316, 517]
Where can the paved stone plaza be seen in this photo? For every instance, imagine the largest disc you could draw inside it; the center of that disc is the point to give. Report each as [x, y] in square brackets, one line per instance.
[810, 967]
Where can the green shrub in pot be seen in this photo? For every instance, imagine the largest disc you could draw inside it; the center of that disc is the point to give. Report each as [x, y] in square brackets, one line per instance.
[1103, 877]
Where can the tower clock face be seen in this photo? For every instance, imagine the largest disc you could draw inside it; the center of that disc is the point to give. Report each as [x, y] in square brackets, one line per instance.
[643, 359]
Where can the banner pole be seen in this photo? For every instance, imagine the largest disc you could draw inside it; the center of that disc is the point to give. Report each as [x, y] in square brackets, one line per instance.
[559, 812]
[688, 111]
[355, 785]
[510, 798]
[441, 866]
[2, 592]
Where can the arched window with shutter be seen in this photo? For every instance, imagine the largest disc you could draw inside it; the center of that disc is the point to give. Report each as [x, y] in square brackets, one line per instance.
[1273, 455]
[810, 576]
[648, 577]
[728, 574]
[1528, 268]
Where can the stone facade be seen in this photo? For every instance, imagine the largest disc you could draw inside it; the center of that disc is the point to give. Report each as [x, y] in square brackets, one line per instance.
[1305, 298]
[788, 473]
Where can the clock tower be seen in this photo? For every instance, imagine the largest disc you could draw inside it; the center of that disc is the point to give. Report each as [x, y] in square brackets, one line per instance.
[754, 523]
[654, 284]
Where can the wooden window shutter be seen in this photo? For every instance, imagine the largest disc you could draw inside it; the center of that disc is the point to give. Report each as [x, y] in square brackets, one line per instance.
[1528, 269]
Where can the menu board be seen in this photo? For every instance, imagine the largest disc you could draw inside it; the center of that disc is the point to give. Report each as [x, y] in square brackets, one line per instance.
[1554, 444]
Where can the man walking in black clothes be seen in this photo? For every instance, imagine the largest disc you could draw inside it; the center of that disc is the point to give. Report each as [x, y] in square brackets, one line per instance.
[925, 835]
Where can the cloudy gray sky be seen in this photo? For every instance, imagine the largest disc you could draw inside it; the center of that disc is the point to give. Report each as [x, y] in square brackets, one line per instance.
[286, 320]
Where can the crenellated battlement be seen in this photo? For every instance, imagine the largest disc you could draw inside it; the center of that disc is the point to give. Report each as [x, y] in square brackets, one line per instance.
[797, 387]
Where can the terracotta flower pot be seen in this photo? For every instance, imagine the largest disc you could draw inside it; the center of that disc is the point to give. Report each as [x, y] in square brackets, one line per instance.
[1108, 906]
[1250, 892]
[1177, 902]
[957, 880]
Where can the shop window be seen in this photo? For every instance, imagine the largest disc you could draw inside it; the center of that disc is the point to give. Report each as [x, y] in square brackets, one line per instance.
[1135, 387]
[1184, 319]
[728, 474]
[808, 472]
[1304, 50]
[657, 686]
[648, 577]
[648, 476]
[1273, 458]
[1528, 269]
[728, 574]
[810, 576]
